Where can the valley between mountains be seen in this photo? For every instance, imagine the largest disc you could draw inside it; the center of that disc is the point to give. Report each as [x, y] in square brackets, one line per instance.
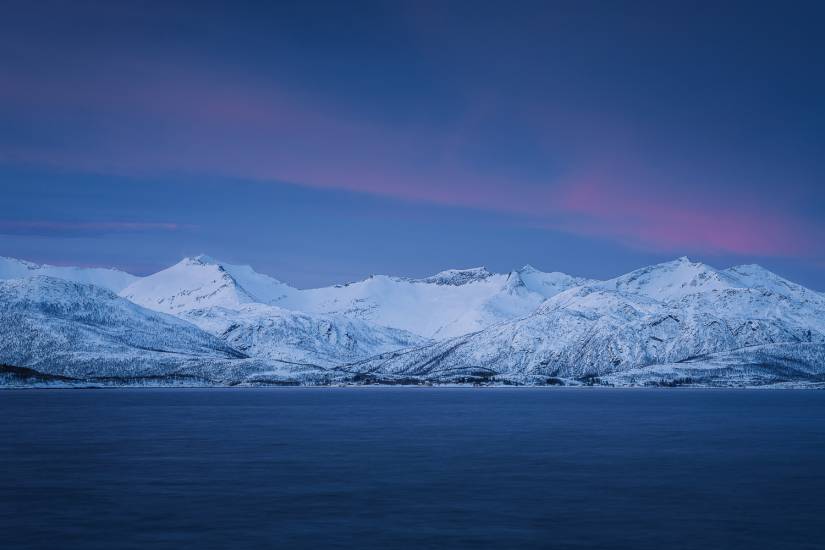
[202, 322]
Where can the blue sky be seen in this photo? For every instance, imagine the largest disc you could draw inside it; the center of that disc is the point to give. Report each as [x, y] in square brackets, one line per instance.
[323, 142]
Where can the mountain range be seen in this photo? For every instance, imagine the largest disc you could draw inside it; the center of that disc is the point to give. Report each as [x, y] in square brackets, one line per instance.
[204, 322]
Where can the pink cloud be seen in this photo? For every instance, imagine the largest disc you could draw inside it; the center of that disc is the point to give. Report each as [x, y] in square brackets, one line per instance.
[664, 219]
[166, 121]
[192, 124]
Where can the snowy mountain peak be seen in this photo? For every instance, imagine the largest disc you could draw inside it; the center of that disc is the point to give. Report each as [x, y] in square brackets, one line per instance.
[672, 280]
[681, 263]
[756, 276]
[458, 277]
[201, 281]
[6, 261]
[549, 284]
[514, 283]
[202, 259]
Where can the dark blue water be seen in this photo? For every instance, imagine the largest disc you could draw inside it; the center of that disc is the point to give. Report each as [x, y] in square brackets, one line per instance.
[425, 468]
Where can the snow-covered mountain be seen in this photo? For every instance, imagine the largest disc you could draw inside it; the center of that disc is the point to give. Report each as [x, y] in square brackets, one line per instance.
[234, 303]
[112, 279]
[450, 303]
[672, 280]
[670, 313]
[56, 330]
[201, 282]
[671, 323]
[679, 278]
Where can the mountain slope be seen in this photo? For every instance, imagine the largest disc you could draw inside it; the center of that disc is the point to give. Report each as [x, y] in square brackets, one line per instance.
[594, 331]
[271, 332]
[783, 365]
[76, 331]
[112, 279]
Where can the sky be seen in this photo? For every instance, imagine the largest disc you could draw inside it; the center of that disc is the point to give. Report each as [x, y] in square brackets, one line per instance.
[322, 142]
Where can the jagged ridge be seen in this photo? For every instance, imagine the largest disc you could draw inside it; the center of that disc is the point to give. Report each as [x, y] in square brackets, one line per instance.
[679, 319]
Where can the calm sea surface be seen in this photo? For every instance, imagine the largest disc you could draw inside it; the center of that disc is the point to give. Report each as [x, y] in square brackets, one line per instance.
[412, 467]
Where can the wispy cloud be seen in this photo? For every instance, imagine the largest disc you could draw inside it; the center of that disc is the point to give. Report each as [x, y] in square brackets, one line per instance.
[195, 123]
[74, 228]
[167, 121]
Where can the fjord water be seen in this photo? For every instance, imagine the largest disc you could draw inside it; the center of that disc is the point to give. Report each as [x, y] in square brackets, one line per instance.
[412, 467]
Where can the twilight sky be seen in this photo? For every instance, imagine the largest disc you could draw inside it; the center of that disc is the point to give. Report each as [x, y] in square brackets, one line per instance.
[324, 141]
